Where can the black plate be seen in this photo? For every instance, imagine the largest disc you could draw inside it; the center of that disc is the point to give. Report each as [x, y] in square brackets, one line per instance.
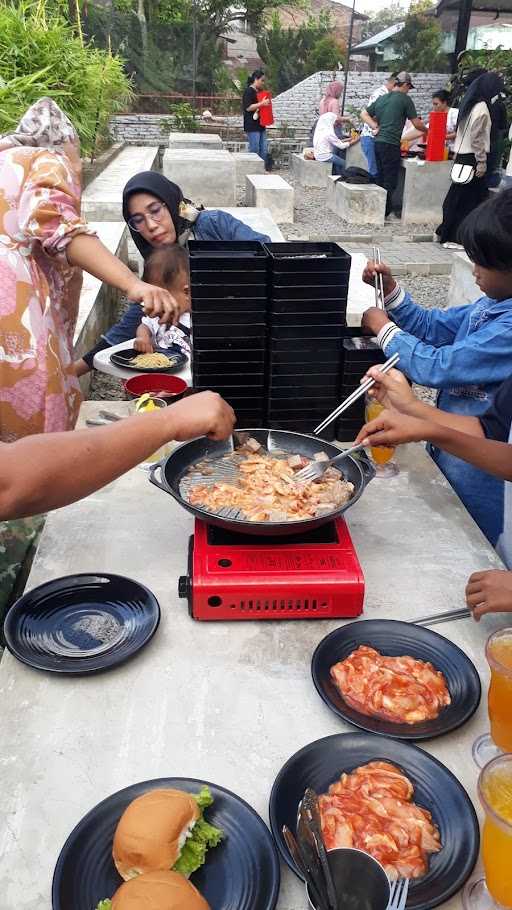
[395, 638]
[242, 873]
[81, 623]
[320, 764]
[177, 359]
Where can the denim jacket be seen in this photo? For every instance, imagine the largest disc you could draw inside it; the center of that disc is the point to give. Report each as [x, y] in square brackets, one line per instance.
[214, 225]
[466, 353]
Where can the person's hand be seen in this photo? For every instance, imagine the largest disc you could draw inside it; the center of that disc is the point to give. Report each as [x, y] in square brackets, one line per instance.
[204, 414]
[373, 268]
[392, 429]
[143, 346]
[374, 320]
[391, 390]
[489, 592]
[481, 169]
[265, 102]
[156, 301]
[376, 131]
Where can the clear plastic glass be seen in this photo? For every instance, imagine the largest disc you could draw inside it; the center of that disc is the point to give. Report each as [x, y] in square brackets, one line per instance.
[498, 652]
[494, 892]
[382, 456]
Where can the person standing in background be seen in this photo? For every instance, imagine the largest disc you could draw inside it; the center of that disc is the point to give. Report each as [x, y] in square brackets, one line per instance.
[255, 132]
[480, 110]
[367, 137]
[387, 117]
[441, 103]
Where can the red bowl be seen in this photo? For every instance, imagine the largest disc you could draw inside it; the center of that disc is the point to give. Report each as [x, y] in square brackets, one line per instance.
[170, 388]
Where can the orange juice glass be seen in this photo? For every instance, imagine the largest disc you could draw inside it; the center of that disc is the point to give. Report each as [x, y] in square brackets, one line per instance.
[495, 791]
[381, 455]
[499, 655]
[498, 651]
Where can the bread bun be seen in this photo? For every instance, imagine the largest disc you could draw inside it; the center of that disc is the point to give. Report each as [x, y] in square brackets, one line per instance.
[158, 891]
[152, 830]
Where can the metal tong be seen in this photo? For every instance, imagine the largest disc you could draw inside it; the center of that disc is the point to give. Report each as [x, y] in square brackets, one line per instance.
[309, 853]
[437, 618]
[363, 388]
[379, 284]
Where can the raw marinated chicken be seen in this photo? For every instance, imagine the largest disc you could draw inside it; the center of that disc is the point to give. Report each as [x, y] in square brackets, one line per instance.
[371, 809]
[265, 488]
[402, 690]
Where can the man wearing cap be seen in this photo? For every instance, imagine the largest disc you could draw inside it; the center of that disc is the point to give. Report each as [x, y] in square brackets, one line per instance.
[387, 117]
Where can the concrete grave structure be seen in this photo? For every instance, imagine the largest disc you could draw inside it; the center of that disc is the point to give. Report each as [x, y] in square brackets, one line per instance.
[258, 219]
[355, 203]
[206, 176]
[103, 198]
[247, 163]
[355, 157]
[97, 299]
[310, 173]
[194, 141]
[425, 187]
[463, 287]
[272, 192]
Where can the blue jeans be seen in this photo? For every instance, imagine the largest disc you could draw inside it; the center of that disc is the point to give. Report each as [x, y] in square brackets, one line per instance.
[368, 147]
[339, 165]
[257, 140]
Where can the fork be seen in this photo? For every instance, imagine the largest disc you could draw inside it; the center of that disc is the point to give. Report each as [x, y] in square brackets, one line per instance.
[399, 890]
[317, 468]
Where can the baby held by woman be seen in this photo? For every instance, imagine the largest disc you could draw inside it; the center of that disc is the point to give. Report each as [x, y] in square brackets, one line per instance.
[168, 268]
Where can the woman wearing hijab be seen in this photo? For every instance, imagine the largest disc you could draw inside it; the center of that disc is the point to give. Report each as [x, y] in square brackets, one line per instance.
[330, 100]
[44, 242]
[480, 115]
[156, 214]
[326, 144]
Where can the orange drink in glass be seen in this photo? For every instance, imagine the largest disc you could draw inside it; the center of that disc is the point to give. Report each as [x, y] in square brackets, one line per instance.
[381, 455]
[498, 651]
[495, 792]
[499, 655]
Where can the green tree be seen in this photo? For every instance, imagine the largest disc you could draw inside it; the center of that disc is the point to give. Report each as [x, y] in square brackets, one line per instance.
[291, 55]
[382, 19]
[419, 45]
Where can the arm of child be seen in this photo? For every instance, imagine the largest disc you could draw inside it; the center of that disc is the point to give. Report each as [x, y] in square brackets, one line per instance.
[437, 327]
[143, 340]
[489, 592]
[391, 428]
[481, 357]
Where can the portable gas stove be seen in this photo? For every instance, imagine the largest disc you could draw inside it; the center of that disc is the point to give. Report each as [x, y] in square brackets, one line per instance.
[315, 575]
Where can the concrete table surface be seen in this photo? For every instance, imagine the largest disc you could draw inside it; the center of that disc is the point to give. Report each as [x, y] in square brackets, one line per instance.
[258, 218]
[225, 702]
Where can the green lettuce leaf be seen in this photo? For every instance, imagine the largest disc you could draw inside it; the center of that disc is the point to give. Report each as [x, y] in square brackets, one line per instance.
[203, 836]
[105, 905]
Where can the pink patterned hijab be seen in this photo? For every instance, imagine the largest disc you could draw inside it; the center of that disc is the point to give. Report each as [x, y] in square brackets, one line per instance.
[44, 125]
[329, 102]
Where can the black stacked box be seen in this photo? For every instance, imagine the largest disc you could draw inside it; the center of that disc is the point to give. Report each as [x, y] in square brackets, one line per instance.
[359, 354]
[308, 289]
[229, 324]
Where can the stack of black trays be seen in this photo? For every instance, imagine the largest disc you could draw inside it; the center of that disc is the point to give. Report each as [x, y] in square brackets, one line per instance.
[308, 289]
[359, 355]
[229, 324]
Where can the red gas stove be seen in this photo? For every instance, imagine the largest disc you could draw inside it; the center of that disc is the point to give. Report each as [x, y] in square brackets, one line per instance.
[315, 575]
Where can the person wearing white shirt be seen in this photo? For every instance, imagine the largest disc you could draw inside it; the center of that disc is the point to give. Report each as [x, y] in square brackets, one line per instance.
[325, 142]
[367, 136]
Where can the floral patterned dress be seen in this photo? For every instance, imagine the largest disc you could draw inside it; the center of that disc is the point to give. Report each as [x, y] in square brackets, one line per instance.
[39, 292]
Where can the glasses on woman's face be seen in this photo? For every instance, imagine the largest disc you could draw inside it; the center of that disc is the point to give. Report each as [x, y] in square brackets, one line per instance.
[155, 211]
